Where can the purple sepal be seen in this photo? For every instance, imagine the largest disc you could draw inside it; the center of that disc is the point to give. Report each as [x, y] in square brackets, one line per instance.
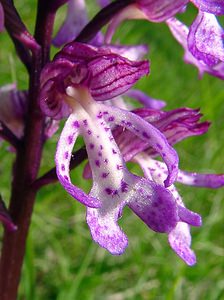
[132, 52]
[146, 100]
[103, 3]
[212, 181]
[215, 7]
[105, 74]
[157, 209]
[75, 20]
[205, 39]
[180, 241]
[188, 216]
[176, 125]
[13, 108]
[5, 218]
[160, 10]
[180, 32]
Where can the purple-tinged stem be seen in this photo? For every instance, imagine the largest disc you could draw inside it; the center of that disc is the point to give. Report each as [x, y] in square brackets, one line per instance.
[50, 177]
[46, 11]
[101, 19]
[7, 135]
[26, 166]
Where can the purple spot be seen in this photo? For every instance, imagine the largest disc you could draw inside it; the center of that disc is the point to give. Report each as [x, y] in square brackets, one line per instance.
[159, 146]
[101, 147]
[119, 167]
[89, 132]
[124, 186]
[111, 119]
[104, 175]
[66, 177]
[70, 139]
[76, 124]
[106, 128]
[99, 116]
[91, 146]
[129, 124]
[66, 155]
[97, 163]
[114, 151]
[63, 167]
[108, 191]
[85, 122]
[145, 135]
[106, 161]
[105, 112]
[99, 153]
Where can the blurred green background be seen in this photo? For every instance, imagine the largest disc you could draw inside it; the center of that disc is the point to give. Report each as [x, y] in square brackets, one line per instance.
[62, 262]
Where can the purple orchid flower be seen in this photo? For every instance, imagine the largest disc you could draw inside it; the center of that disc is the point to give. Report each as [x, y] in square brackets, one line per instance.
[176, 125]
[13, 108]
[75, 20]
[181, 33]
[74, 85]
[204, 39]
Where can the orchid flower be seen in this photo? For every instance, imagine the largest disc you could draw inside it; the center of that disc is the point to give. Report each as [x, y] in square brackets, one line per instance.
[13, 107]
[13, 112]
[181, 32]
[73, 85]
[176, 125]
[204, 38]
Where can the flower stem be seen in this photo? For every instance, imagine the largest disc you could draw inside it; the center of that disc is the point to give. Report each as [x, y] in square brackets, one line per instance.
[27, 165]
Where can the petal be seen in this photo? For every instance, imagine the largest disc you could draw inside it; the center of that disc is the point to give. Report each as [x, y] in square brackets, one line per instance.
[180, 240]
[103, 3]
[155, 206]
[13, 108]
[160, 10]
[212, 181]
[215, 7]
[206, 39]
[146, 100]
[180, 33]
[5, 218]
[148, 133]
[76, 19]
[188, 216]
[62, 159]
[105, 231]
[112, 75]
[133, 52]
